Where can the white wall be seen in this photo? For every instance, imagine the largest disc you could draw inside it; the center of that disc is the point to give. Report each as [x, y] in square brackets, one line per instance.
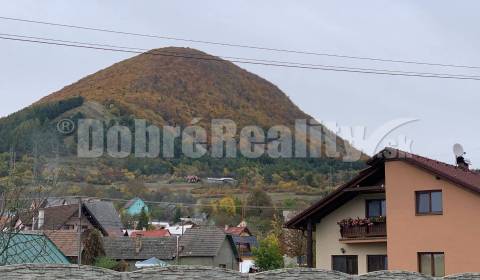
[327, 235]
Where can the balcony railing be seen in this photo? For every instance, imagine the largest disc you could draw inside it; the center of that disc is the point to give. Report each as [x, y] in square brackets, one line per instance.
[378, 229]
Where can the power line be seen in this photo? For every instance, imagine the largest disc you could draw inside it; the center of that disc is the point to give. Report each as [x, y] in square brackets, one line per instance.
[230, 57]
[242, 45]
[325, 68]
[170, 203]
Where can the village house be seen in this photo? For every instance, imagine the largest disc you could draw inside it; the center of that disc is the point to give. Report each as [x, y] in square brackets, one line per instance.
[403, 212]
[134, 206]
[245, 243]
[98, 214]
[205, 246]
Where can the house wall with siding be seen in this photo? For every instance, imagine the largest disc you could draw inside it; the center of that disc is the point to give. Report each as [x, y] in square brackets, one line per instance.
[455, 233]
[327, 235]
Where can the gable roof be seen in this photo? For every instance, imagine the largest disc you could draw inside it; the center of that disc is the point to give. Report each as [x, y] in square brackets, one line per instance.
[106, 216]
[65, 240]
[204, 241]
[237, 230]
[126, 248]
[55, 217]
[130, 202]
[29, 247]
[465, 178]
[460, 177]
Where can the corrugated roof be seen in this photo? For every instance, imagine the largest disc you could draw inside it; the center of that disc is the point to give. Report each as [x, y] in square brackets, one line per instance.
[29, 248]
[126, 248]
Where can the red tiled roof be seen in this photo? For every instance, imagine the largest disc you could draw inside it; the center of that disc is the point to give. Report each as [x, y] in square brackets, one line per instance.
[65, 240]
[465, 178]
[151, 233]
[236, 230]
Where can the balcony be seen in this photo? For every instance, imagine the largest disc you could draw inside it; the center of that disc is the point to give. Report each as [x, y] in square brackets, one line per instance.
[363, 230]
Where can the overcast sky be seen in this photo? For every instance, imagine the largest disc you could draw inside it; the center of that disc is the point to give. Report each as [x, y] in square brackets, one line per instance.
[431, 31]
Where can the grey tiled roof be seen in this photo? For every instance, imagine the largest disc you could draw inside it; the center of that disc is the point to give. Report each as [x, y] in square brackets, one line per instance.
[203, 241]
[106, 215]
[125, 248]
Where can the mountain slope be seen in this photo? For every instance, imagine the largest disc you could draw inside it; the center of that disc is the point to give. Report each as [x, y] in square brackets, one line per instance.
[168, 89]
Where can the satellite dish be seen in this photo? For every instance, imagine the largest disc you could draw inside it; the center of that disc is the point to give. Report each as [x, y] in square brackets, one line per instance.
[458, 150]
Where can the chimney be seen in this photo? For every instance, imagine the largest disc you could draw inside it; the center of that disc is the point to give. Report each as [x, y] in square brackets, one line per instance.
[41, 218]
[138, 244]
[226, 227]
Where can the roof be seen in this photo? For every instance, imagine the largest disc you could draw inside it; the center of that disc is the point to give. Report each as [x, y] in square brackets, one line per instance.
[151, 233]
[150, 262]
[177, 230]
[106, 216]
[55, 217]
[65, 240]
[466, 178]
[237, 230]
[130, 202]
[463, 178]
[204, 242]
[126, 248]
[59, 201]
[29, 248]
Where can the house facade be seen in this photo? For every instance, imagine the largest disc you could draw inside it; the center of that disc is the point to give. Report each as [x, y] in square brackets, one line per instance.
[134, 206]
[403, 212]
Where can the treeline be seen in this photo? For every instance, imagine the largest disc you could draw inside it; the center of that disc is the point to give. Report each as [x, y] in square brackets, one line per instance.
[21, 129]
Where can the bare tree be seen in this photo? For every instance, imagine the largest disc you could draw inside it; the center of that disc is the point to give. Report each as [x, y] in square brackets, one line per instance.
[22, 193]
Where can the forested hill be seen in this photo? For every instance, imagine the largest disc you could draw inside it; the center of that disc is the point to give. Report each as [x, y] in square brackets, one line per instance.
[168, 86]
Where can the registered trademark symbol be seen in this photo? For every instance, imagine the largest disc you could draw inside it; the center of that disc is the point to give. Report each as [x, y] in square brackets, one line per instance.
[65, 126]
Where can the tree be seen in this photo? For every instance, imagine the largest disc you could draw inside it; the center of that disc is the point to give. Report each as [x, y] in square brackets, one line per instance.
[268, 255]
[261, 202]
[227, 205]
[93, 247]
[22, 193]
[106, 262]
[143, 220]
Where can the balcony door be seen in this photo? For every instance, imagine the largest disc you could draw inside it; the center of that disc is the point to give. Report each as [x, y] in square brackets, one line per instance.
[376, 208]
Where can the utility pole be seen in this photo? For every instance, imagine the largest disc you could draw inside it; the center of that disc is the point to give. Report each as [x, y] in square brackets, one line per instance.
[178, 250]
[79, 231]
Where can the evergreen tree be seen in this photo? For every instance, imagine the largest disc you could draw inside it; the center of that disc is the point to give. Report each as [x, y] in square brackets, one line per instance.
[93, 247]
[143, 220]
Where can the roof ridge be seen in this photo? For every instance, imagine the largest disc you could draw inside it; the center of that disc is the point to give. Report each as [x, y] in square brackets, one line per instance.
[433, 160]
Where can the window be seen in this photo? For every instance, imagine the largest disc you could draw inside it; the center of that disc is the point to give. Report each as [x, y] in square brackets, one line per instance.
[432, 264]
[429, 202]
[345, 264]
[377, 262]
[376, 208]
